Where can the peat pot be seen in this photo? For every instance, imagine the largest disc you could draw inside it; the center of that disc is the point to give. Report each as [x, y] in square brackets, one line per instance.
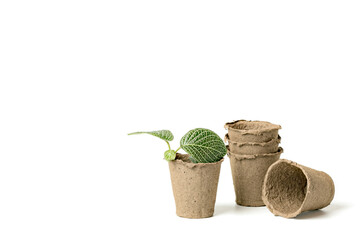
[248, 172]
[290, 189]
[252, 131]
[194, 186]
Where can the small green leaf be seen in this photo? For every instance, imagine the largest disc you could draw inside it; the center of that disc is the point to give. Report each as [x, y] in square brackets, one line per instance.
[170, 155]
[163, 134]
[203, 145]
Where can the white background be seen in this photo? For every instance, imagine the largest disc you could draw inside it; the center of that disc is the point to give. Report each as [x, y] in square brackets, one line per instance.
[77, 76]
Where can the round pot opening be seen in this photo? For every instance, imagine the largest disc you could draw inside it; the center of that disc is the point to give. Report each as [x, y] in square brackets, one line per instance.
[252, 125]
[285, 188]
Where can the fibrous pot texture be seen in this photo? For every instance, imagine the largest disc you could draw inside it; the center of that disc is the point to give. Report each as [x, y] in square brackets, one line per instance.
[248, 148]
[194, 186]
[251, 131]
[248, 172]
[290, 188]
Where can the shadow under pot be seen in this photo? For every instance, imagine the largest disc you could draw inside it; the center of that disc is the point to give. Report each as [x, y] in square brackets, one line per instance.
[248, 172]
[194, 186]
[252, 131]
[250, 148]
[290, 189]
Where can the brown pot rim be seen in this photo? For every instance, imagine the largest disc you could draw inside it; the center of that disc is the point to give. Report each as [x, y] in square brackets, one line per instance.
[266, 126]
[190, 164]
[271, 141]
[253, 156]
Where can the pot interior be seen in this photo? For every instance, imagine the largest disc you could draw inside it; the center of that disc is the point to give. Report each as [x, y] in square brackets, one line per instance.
[252, 125]
[286, 187]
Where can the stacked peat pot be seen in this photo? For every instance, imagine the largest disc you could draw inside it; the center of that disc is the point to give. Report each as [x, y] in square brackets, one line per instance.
[253, 146]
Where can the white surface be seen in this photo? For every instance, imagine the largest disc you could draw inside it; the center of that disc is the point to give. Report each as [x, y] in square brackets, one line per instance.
[76, 76]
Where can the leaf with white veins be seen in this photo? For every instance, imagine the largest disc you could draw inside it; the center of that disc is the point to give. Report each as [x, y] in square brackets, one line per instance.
[203, 145]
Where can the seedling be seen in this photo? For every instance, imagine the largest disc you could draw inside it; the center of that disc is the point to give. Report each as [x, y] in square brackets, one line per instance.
[203, 145]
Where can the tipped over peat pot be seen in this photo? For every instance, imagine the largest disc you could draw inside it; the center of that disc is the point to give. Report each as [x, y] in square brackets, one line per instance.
[290, 189]
[194, 186]
[248, 172]
[248, 148]
[252, 131]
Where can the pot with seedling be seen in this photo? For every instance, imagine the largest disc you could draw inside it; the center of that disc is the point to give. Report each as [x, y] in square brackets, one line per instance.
[195, 175]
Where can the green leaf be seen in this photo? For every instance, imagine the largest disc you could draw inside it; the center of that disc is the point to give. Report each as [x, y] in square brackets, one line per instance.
[203, 145]
[163, 134]
[170, 155]
[193, 160]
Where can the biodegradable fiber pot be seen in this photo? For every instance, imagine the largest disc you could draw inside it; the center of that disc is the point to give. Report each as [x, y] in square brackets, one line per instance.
[290, 189]
[194, 186]
[249, 148]
[248, 172]
[252, 131]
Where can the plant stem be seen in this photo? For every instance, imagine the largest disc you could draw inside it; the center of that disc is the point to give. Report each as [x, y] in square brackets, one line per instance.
[168, 144]
[177, 149]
